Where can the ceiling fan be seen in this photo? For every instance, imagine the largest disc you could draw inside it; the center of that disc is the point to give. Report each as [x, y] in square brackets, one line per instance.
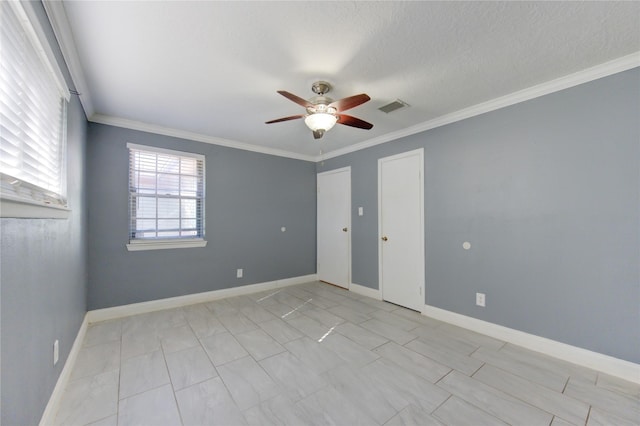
[323, 112]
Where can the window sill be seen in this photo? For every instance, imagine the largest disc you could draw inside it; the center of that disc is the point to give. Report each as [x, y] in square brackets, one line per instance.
[27, 209]
[164, 244]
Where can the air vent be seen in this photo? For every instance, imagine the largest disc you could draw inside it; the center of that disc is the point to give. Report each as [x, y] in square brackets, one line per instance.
[395, 105]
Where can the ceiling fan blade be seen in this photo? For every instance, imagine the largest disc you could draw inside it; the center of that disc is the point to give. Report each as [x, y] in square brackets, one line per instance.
[297, 99]
[350, 102]
[278, 120]
[317, 134]
[348, 120]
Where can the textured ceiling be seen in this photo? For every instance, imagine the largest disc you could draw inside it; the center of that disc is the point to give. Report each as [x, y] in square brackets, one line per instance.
[213, 68]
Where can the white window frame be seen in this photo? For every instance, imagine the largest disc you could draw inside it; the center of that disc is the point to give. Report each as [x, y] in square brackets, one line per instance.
[168, 243]
[31, 201]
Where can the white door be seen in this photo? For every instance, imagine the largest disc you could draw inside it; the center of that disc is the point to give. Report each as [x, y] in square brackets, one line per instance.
[334, 227]
[401, 229]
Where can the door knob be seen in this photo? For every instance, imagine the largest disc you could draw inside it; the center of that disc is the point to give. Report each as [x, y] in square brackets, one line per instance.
[344, 229]
[384, 238]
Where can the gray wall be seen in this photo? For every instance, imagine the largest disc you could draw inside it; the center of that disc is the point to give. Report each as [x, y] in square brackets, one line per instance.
[43, 280]
[249, 197]
[547, 192]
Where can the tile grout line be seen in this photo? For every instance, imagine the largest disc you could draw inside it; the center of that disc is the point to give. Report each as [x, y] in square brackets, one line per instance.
[521, 376]
[442, 403]
[255, 360]
[441, 378]
[119, 373]
[478, 369]
[533, 383]
[586, 421]
[166, 365]
[499, 392]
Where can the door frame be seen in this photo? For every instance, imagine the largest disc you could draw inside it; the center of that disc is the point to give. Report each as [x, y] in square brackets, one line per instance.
[420, 153]
[346, 169]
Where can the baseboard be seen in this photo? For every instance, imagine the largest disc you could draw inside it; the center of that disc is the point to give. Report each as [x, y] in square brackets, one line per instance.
[607, 364]
[191, 299]
[297, 280]
[365, 291]
[50, 411]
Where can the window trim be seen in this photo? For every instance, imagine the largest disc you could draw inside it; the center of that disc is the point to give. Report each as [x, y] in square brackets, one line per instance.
[167, 243]
[26, 208]
[141, 245]
[20, 208]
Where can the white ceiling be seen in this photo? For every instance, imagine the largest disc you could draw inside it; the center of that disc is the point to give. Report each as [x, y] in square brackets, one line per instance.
[212, 68]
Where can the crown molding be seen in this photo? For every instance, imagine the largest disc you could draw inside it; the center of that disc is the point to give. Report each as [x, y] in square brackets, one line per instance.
[59, 22]
[615, 66]
[62, 30]
[198, 137]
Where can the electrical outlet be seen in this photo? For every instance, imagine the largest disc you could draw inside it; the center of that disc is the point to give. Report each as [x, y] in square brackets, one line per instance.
[480, 299]
[239, 273]
[56, 352]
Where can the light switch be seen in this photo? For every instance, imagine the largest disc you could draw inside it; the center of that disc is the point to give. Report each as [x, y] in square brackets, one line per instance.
[360, 211]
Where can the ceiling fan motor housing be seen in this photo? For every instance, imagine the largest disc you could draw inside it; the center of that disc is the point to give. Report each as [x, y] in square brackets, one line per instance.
[321, 104]
[321, 87]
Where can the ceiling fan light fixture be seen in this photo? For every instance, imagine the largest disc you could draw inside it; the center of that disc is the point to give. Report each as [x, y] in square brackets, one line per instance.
[320, 121]
[322, 113]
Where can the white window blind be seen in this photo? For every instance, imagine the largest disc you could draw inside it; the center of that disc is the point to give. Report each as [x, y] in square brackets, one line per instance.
[166, 194]
[33, 105]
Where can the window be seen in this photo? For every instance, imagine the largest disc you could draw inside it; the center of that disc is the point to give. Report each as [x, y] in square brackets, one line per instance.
[33, 105]
[166, 198]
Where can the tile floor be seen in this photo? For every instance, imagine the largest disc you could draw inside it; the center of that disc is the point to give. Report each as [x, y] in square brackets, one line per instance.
[314, 354]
